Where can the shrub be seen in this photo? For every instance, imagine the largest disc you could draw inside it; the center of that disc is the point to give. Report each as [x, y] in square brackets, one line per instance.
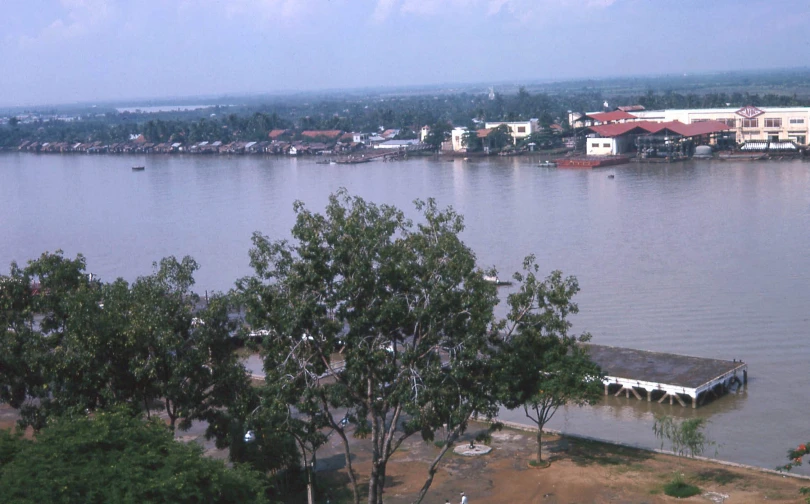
[680, 489]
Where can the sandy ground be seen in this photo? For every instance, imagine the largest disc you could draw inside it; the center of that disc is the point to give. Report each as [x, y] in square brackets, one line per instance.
[580, 472]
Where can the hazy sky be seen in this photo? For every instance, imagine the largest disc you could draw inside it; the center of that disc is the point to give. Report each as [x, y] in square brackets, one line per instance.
[61, 51]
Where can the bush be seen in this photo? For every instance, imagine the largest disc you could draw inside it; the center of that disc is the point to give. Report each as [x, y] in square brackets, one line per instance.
[680, 489]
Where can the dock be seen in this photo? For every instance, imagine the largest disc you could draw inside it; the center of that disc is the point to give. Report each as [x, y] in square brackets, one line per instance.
[661, 376]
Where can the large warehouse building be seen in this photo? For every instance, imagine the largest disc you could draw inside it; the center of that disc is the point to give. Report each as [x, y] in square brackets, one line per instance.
[749, 124]
[766, 124]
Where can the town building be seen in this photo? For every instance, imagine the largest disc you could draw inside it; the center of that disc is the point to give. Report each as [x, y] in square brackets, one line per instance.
[746, 124]
[457, 139]
[518, 129]
[763, 124]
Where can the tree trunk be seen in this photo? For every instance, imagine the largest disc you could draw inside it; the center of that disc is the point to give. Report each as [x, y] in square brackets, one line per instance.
[376, 437]
[348, 454]
[381, 482]
[432, 469]
[539, 444]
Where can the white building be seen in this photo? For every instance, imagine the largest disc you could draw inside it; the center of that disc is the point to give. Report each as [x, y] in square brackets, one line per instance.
[396, 144]
[518, 129]
[750, 123]
[763, 124]
[457, 139]
[360, 137]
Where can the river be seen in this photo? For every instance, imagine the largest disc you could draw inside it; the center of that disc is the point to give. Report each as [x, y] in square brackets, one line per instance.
[705, 258]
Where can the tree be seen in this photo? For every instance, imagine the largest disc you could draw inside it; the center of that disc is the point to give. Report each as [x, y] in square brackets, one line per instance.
[386, 320]
[114, 457]
[796, 456]
[685, 437]
[541, 367]
[499, 138]
[471, 141]
[97, 345]
[185, 358]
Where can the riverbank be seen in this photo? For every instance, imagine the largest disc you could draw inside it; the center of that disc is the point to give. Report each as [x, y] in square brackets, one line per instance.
[581, 470]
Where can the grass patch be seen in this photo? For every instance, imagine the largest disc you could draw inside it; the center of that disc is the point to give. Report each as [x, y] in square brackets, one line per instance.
[680, 489]
[719, 476]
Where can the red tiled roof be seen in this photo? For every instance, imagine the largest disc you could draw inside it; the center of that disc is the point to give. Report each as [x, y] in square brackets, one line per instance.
[706, 127]
[677, 127]
[276, 133]
[690, 130]
[616, 115]
[321, 133]
[483, 133]
[618, 129]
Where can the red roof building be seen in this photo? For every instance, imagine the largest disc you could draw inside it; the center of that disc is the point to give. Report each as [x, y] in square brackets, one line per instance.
[330, 134]
[614, 116]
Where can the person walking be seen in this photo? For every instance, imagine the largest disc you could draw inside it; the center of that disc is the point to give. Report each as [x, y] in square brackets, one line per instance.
[463, 498]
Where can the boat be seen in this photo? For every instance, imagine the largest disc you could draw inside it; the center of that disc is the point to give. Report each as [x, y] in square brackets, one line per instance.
[547, 164]
[495, 280]
[138, 168]
[352, 161]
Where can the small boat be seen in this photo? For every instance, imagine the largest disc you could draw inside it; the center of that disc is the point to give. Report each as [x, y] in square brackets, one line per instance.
[547, 164]
[495, 280]
[352, 161]
[138, 168]
[611, 176]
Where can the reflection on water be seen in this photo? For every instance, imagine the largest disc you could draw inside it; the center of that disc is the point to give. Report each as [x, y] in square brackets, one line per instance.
[702, 258]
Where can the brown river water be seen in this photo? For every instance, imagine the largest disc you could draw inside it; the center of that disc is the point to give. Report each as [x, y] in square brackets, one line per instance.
[705, 258]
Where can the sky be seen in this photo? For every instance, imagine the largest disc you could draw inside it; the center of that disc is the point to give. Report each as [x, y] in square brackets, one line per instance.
[67, 51]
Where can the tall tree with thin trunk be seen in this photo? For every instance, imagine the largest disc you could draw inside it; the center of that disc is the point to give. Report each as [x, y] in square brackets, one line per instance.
[542, 367]
[375, 316]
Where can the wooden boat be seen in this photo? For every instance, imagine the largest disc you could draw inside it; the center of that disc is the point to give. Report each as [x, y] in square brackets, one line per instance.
[497, 281]
[138, 168]
[741, 157]
[547, 164]
[352, 161]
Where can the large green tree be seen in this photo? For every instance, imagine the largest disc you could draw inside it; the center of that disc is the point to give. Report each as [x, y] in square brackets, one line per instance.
[373, 315]
[541, 366]
[73, 344]
[114, 457]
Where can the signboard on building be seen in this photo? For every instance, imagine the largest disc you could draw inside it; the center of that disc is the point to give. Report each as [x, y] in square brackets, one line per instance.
[749, 112]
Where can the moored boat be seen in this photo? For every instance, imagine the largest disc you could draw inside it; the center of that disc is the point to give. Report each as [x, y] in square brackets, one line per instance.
[138, 168]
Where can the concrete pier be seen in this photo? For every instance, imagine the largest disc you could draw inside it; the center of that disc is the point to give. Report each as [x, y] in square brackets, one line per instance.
[664, 376]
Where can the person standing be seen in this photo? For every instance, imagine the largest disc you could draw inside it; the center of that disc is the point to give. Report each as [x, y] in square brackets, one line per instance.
[463, 498]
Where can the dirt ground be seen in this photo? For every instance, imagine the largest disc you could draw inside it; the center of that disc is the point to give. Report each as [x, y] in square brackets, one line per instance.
[580, 472]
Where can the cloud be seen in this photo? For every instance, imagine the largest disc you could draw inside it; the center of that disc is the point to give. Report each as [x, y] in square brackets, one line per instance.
[521, 10]
[383, 10]
[80, 18]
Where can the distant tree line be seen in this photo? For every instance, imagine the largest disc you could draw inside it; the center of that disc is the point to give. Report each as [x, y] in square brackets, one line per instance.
[407, 113]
